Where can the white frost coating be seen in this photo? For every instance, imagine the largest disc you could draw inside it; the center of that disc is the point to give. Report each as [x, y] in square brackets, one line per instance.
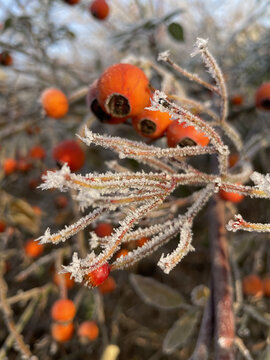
[168, 262]
[45, 238]
[261, 181]
[163, 56]
[86, 198]
[78, 268]
[94, 240]
[225, 342]
[200, 45]
[234, 225]
[70, 230]
[156, 102]
[56, 179]
[88, 136]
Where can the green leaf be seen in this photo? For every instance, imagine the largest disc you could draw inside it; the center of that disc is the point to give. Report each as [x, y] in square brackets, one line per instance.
[176, 31]
[154, 293]
[7, 24]
[180, 332]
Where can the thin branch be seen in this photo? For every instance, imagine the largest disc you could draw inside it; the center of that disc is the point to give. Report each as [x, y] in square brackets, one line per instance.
[221, 279]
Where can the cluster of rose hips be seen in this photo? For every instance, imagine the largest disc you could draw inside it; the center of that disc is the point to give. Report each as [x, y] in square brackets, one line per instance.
[123, 92]
[23, 163]
[98, 8]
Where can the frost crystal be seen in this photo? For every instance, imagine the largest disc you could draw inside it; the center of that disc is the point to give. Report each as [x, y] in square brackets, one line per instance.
[56, 179]
[262, 181]
[163, 56]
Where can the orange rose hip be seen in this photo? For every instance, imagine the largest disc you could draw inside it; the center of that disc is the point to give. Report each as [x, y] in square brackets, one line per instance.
[252, 285]
[63, 310]
[182, 135]
[151, 124]
[123, 90]
[54, 103]
[88, 330]
[33, 249]
[62, 332]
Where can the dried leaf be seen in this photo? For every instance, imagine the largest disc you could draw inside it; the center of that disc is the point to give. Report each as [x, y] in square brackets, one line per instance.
[180, 332]
[22, 213]
[110, 353]
[154, 293]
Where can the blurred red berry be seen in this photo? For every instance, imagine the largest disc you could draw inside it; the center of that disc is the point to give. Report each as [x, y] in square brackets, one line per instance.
[237, 100]
[99, 9]
[88, 330]
[103, 229]
[61, 201]
[54, 103]
[231, 196]
[37, 152]
[70, 152]
[6, 59]
[262, 97]
[9, 166]
[33, 249]
[2, 226]
[108, 286]
[63, 310]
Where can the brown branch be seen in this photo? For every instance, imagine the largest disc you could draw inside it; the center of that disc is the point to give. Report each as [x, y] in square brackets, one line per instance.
[203, 343]
[221, 280]
[8, 317]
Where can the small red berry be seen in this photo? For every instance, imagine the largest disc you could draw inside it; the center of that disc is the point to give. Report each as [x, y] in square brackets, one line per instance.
[151, 124]
[54, 102]
[9, 166]
[233, 159]
[61, 201]
[122, 252]
[123, 90]
[72, 2]
[182, 135]
[33, 249]
[33, 183]
[30, 130]
[140, 242]
[266, 285]
[62, 332]
[98, 276]
[237, 100]
[103, 229]
[37, 152]
[252, 285]
[262, 97]
[23, 165]
[99, 9]
[88, 330]
[2, 226]
[63, 310]
[6, 59]
[108, 286]
[70, 152]
[69, 283]
[231, 196]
